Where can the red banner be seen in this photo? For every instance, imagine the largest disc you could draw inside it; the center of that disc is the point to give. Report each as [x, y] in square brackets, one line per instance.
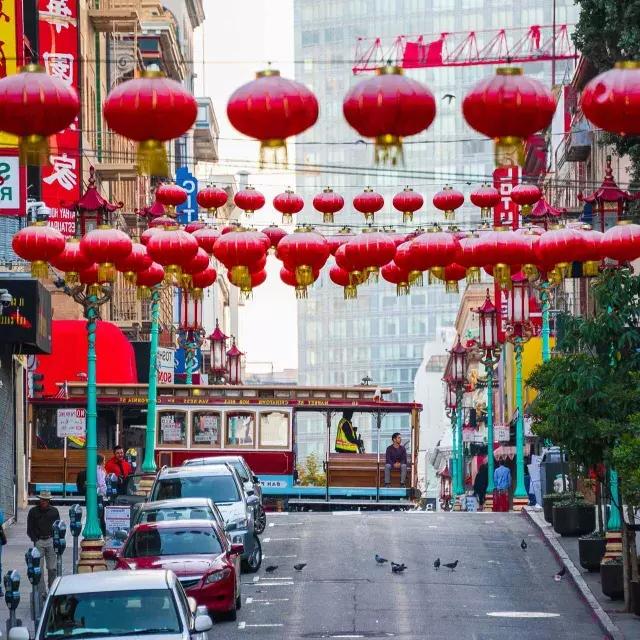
[506, 212]
[59, 51]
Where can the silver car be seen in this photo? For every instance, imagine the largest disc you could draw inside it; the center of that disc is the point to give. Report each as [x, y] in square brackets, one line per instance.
[181, 509]
[222, 485]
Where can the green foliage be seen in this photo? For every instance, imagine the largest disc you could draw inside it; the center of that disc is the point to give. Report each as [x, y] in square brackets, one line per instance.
[626, 458]
[310, 473]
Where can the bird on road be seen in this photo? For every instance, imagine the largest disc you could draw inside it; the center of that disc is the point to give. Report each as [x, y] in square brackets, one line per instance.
[380, 559]
[398, 568]
[523, 545]
[451, 565]
[560, 573]
[271, 568]
[300, 567]
[436, 564]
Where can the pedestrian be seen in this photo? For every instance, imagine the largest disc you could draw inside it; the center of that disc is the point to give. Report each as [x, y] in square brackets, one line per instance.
[101, 477]
[502, 483]
[119, 466]
[534, 474]
[40, 521]
[81, 482]
[480, 483]
[395, 458]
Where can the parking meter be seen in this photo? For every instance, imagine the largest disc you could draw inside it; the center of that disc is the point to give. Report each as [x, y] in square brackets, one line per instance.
[34, 574]
[12, 596]
[3, 541]
[112, 487]
[75, 525]
[59, 542]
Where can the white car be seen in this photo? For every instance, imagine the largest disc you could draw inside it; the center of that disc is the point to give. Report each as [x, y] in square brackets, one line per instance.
[121, 604]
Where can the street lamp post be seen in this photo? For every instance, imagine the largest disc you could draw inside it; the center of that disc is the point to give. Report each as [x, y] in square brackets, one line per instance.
[459, 377]
[191, 331]
[451, 403]
[218, 363]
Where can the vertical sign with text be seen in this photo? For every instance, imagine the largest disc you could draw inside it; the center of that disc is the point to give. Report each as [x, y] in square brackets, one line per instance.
[188, 211]
[505, 213]
[59, 52]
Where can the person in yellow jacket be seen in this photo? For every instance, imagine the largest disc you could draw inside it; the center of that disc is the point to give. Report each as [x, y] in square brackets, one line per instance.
[347, 439]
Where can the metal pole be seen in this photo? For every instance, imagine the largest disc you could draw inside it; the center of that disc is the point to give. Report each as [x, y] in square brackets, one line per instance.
[92, 530]
[149, 463]
[326, 471]
[459, 443]
[490, 458]
[546, 332]
[614, 523]
[378, 425]
[454, 453]
[520, 491]
[188, 358]
[553, 48]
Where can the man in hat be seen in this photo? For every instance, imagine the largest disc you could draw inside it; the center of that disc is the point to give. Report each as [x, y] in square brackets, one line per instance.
[40, 530]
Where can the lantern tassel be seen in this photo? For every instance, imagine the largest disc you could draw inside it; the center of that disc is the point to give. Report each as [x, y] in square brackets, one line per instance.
[287, 218]
[196, 293]
[172, 273]
[144, 293]
[246, 293]
[350, 292]
[39, 269]
[388, 150]
[451, 286]
[152, 159]
[531, 271]
[106, 272]
[72, 277]
[304, 275]
[416, 279]
[240, 276]
[34, 150]
[473, 275]
[373, 274]
[590, 268]
[485, 213]
[327, 217]
[402, 289]
[301, 292]
[449, 214]
[407, 216]
[273, 152]
[509, 151]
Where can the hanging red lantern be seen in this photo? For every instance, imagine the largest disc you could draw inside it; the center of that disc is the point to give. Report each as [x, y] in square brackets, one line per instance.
[559, 247]
[357, 276]
[171, 195]
[469, 258]
[342, 237]
[622, 242]
[611, 101]
[288, 276]
[192, 227]
[486, 197]
[509, 107]
[138, 260]
[106, 246]
[451, 275]
[591, 251]
[198, 263]
[237, 250]
[344, 279]
[249, 200]
[149, 278]
[368, 202]
[275, 234]
[255, 279]
[150, 110]
[525, 196]
[392, 273]
[304, 252]
[147, 234]
[448, 200]
[388, 108]
[288, 203]
[35, 106]
[71, 261]
[432, 251]
[369, 251]
[201, 280]
[502, 248]
[38, 244]
[272, 109]
[407, 202]
[173, 249]
[328, 203]
[212, 198]
[206, 238]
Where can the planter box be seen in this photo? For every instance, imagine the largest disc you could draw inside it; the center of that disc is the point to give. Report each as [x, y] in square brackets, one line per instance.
[635, 594]
[591, 552]
[574, 520]
[612, 581]
[547, 507]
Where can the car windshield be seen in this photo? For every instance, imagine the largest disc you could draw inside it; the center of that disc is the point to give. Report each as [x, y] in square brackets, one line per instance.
[172, 542]
[91, 615]
[175, 513]
[217, 488]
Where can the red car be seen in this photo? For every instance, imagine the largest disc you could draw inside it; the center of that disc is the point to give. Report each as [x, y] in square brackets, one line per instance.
[197, 551]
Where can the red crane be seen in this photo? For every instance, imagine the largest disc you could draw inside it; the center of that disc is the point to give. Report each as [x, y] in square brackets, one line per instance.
[465, 49]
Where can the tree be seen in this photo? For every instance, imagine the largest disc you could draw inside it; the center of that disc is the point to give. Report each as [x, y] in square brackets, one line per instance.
[608, 31]
[310, 473]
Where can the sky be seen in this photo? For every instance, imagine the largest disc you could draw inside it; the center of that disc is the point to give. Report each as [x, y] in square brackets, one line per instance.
[237, 39]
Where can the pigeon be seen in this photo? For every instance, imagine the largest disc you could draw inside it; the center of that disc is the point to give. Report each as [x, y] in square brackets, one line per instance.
[560, 573]
[300, 567]
[523, 545]
[398, 568]
[271, 568]
[448, 97]
[436, 564]
[380, 559]
[451, 565]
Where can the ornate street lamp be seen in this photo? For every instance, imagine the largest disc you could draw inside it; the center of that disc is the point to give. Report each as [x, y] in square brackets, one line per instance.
[445, 489]
[458, 379]
[191, 334]
[218, 342]
[451, 403]
[233, 363]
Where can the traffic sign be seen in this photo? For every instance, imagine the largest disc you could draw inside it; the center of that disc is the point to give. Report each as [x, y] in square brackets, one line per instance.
[188, 210]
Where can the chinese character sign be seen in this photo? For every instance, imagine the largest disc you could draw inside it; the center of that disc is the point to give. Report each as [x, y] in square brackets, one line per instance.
[62, 179]
[505, 213]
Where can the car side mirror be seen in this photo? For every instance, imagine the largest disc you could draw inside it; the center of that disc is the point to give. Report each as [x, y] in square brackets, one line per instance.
[202, 624]
[193, 605]
[256, 479]
[237, 548]
[110, 554]
[253, 499]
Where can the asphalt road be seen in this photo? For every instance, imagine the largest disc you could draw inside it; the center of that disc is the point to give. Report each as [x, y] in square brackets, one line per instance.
[497, 591]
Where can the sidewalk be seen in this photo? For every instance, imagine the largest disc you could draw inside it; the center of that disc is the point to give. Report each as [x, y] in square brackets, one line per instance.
[623, 625]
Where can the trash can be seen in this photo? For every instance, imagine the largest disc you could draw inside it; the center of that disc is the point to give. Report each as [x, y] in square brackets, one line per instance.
[551, 468]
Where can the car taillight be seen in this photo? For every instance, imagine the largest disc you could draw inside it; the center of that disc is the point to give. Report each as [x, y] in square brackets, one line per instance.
[216, 576]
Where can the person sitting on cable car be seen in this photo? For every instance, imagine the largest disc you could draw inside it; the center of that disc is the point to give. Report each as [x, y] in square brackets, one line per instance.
[347, 439]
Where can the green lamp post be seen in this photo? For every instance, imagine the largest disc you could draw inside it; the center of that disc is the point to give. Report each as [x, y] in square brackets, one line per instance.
[459, 378]
[452, 403]
[149, 462]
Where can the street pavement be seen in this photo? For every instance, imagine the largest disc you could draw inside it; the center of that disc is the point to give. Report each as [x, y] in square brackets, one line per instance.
[497, 591]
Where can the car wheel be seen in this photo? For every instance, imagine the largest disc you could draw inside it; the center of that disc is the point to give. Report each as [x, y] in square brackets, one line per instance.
[238, 602]
[254, 561]
[261, 520]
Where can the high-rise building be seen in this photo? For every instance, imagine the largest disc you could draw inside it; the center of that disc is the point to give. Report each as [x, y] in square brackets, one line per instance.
[380, 335]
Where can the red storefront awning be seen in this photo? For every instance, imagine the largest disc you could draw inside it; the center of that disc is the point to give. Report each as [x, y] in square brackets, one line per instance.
[115, 359]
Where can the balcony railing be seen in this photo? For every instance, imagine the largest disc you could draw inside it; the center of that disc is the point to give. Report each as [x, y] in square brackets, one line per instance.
[115, 16]
[116, 158]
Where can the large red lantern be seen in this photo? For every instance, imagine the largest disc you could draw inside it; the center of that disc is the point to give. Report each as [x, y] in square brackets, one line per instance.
[622, 242]
[288, 203]
[138, 260]
[388, 108]
[212, 198]
[36, 105]
[369, 251]
[432, 251]
[448, 200]
[392, 273]
[368, 202]
[503, 249]
[149, 278]
[202, 280]
[272, 109]
[611, 100]
[525, 196]
[71, 260]
[408, 202]
[509, 107]
[171, 195]
[303, 252]
[469, 257]
[275, 234]
[173, 249]
[38, 244]
[238, 250]
[255, 279]
[560, 247]
[591, 251]
[249, 200]
[150, 110]
[288, 276]
[451, 275]
[206, 238]
[344, 279]
[198, 263]
[486, 197]
[328, 203]
[106, 246]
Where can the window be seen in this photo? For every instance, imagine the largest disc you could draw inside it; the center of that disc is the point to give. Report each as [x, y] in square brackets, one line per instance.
[173, 542]
[274, 429]
[206, 429]
[310, 36]
[173, 427]
[219, 488]
[241, 428]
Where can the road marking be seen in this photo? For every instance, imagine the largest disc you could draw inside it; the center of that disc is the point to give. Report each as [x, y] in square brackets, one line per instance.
[271, 524]
[265, 557]
[244, 625]
[432, 526]
[256, 578]
[285, 524]
[274, 578]
[522, 614]
[279, 539]
[266, 540]
[271, 584]
[489, 521]
[269, 601]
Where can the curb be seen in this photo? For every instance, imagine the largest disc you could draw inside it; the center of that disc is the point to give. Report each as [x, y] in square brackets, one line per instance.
[603, 619]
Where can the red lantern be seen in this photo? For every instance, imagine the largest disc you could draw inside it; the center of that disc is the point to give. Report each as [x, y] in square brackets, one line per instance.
[342, 237]
[192, 227]
[509, 107]
[432, 251]
[72, 260]
[502, 249]
[212, 198]
[150, 110]
[173, 249]
[357, 276]
[138, 260]
[255, 279]
[392, 273]
[249, 200]
[369, 251]
[525, 196]
[206, 238]
[275, 234]
[611, 100]
[35, 106]
[148, 279]
[591, 251]
[198, 263]
[271, 109]
[287, 204]
[388, 108]
[38, 244]
[147, 234]
[368, 202]
[92, 279]
[469, 258]
[237, 250]
[171, 195]
[105, 246]
[344, 279]
[451, 275]
[448, 200]
[486, 197]
[408, 202]
[328, 203]
[622, 242]
[559, 248]
[202, 280]
[304, 252]
[288, 276]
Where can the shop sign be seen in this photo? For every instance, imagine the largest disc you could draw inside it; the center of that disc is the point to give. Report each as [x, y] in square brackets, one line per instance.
[165, 365]
[71, 423]
[13, 192]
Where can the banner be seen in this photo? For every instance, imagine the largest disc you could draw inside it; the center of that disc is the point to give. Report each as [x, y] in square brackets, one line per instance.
[188, 210]
[165, 364]
[506, 212]
[59, 49]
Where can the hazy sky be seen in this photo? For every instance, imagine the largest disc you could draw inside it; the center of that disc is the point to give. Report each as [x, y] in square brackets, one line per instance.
[240, 38]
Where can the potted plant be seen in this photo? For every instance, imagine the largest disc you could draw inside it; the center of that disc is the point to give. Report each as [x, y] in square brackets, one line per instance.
[611, 577]
[592, 547]
[548, 500]
[573, 517]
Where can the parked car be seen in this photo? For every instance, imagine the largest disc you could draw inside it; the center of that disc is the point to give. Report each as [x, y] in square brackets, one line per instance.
[249, 479]
[181, 509]
[133, 493]
[116, 604]
[197, 551]
[222, 485]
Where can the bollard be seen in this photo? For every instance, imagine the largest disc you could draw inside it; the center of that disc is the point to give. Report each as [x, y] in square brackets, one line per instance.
[75, 525]
[34, 574]
[12, 597]
[59, 542]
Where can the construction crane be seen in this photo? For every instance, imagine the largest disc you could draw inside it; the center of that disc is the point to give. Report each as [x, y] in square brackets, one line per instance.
[464, 49]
